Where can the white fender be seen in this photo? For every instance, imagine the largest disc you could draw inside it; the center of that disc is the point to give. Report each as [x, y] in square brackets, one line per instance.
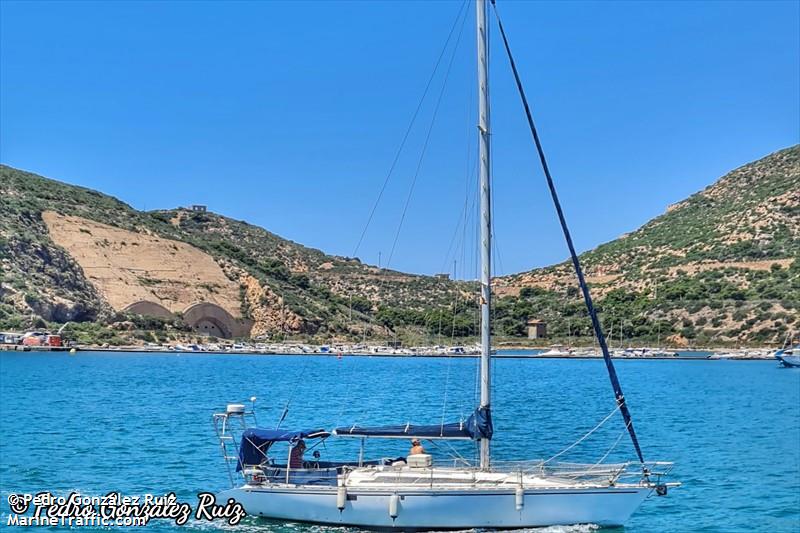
[519, 498]
[394, 501]
[341, 497]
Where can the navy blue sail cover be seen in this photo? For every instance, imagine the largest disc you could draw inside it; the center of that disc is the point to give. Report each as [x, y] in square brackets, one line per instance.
[477, 426]
[256, 441]
[480, 423]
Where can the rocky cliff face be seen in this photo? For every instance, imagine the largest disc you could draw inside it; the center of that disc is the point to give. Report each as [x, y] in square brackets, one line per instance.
[39, 279]
[129, 266]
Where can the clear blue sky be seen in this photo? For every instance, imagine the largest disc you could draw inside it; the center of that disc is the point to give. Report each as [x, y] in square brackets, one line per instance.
[288, 114]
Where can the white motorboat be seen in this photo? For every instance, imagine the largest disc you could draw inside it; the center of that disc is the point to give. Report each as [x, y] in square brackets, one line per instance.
[789, 357]
[271, 478]
[657, 352]
[556, 350]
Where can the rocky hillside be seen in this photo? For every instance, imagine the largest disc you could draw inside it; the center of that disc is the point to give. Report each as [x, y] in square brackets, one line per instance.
[73, 254]
[721, 265]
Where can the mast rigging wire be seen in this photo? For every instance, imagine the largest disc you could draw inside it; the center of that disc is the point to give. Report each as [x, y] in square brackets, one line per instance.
[612, 373]
[461, 227]
[408, 130]
[427, 140]
[382, 282]
[586, 436]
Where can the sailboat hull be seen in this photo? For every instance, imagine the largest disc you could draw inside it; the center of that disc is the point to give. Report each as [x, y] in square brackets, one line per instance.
[789, 357]
[790, 360]
[441, 509]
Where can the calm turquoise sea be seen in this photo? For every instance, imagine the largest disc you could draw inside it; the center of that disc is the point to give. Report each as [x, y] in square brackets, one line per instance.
[141, 423]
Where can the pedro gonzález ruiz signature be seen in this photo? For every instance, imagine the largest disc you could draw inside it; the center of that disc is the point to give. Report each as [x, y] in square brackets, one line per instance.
[114, 509]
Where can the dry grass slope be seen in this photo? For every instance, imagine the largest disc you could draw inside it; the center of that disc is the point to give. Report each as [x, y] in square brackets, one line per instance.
[722, 263]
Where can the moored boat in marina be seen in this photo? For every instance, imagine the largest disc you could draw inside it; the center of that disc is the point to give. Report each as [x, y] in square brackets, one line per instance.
[789, 357]
[557, 350]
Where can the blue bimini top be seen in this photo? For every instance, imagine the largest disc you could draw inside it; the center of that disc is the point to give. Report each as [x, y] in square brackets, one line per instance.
[257, 441]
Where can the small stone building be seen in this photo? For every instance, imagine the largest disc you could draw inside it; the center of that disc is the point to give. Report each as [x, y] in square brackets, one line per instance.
[537, 329]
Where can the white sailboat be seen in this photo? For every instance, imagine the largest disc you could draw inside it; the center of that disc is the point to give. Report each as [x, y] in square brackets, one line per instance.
[415, 493]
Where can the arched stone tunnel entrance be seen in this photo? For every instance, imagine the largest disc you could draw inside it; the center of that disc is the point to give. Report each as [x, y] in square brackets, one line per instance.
[148, 308]
[210, 319]
[203, 317]
[211, 327]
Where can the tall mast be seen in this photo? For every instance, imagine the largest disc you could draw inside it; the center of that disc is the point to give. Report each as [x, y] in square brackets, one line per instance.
[486, 216]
